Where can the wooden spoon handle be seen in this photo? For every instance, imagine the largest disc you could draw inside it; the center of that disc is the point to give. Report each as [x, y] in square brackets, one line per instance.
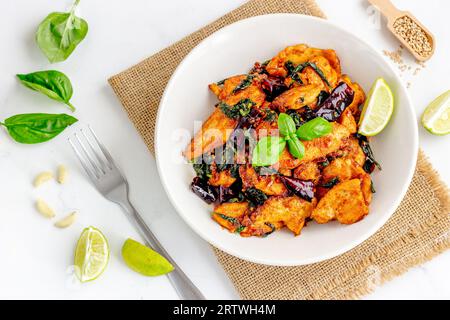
[387, 8]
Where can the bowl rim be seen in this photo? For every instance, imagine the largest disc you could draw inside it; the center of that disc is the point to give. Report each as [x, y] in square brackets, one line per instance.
[291, 262]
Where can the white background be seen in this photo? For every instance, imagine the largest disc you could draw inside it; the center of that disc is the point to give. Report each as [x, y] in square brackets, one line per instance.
[35, 257]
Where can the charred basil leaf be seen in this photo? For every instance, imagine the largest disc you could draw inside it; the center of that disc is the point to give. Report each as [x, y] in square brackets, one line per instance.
[202, 189]
[273, 229]
[265, 171]
[323, 95]
[372, 187]
[331, 183]
[202, 166]
[370, 163]
[301, 188]
[240, 109]
[255, 197]
[302, 117]
[324, 163]
[296, 117]
[340, 98]
[221, 82]
[230, 219]
[244, 83]
[270, 115]
[294, 71]
[313, 129]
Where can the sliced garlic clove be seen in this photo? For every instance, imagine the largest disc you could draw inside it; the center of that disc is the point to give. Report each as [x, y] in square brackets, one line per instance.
[42, 177]
[67, 221]
[44, 209]
[62, 174]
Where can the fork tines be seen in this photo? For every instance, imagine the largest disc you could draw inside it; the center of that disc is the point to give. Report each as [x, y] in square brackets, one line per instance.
[93, 156]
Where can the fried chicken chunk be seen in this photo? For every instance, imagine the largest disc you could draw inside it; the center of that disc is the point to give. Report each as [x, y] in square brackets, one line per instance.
[215, 132]
[344, 202]
[297, 97]
[270, 185]
[227, 214]
[316, 148]
[282, 211]
[229, 94]
[299, 54]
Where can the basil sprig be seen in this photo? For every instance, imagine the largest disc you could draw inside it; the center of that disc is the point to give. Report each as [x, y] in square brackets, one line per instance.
[60, 33]
[314, 128]
[31, 128]
[54, 84]
[268, 149]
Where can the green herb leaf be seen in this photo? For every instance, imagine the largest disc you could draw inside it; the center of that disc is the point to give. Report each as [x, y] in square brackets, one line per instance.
[229, 219]
[331, 183]
[33, 128]
[314, 128]
[60, 33]
[255, 197]
[54, 84]
[240, 109]
[293, 71]
[296, 148]
[244, 83]
[372, 187]
[286, 125]
[273, 229]
[268, 150]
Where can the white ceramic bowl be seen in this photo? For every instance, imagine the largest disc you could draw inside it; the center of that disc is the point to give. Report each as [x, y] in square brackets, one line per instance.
[233, 50]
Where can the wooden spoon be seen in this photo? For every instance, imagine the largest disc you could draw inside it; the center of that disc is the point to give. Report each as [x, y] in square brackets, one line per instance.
[392, 14]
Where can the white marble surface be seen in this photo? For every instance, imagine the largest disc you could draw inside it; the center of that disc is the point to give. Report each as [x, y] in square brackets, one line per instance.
[36, 257]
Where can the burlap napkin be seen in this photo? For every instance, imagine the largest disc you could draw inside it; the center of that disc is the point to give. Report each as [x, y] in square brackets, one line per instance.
[418, 230]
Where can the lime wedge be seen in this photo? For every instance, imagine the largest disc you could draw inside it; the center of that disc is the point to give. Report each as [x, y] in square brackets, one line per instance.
[436, 117]
[91, 254]
[377, 110]
[144, 260]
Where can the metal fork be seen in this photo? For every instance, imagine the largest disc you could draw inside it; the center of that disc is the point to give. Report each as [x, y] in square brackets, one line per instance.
[109, 181]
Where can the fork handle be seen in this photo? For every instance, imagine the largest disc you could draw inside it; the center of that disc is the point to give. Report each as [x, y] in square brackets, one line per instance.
[182, 284]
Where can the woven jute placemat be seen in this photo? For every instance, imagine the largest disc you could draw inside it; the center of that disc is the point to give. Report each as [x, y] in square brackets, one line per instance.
[417, 231]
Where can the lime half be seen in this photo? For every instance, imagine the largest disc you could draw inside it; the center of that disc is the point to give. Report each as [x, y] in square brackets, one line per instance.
[91, 254]
[144, 260]
[436, 117]
[377, 110]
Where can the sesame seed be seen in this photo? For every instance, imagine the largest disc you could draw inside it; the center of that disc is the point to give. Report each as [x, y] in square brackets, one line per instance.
[414, 35]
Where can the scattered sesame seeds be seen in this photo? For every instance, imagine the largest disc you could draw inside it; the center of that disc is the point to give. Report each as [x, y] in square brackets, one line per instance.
[407, 70]
[414, 35]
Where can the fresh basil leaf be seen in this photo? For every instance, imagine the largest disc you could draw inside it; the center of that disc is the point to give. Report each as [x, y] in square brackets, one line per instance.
[33, 128]
[268, 150]
[296, 148]
[286, 124]
[314, 128]
[54, 84]
[60, 33]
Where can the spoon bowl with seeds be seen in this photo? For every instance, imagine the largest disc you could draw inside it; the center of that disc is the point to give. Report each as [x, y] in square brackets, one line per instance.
[408, 30]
